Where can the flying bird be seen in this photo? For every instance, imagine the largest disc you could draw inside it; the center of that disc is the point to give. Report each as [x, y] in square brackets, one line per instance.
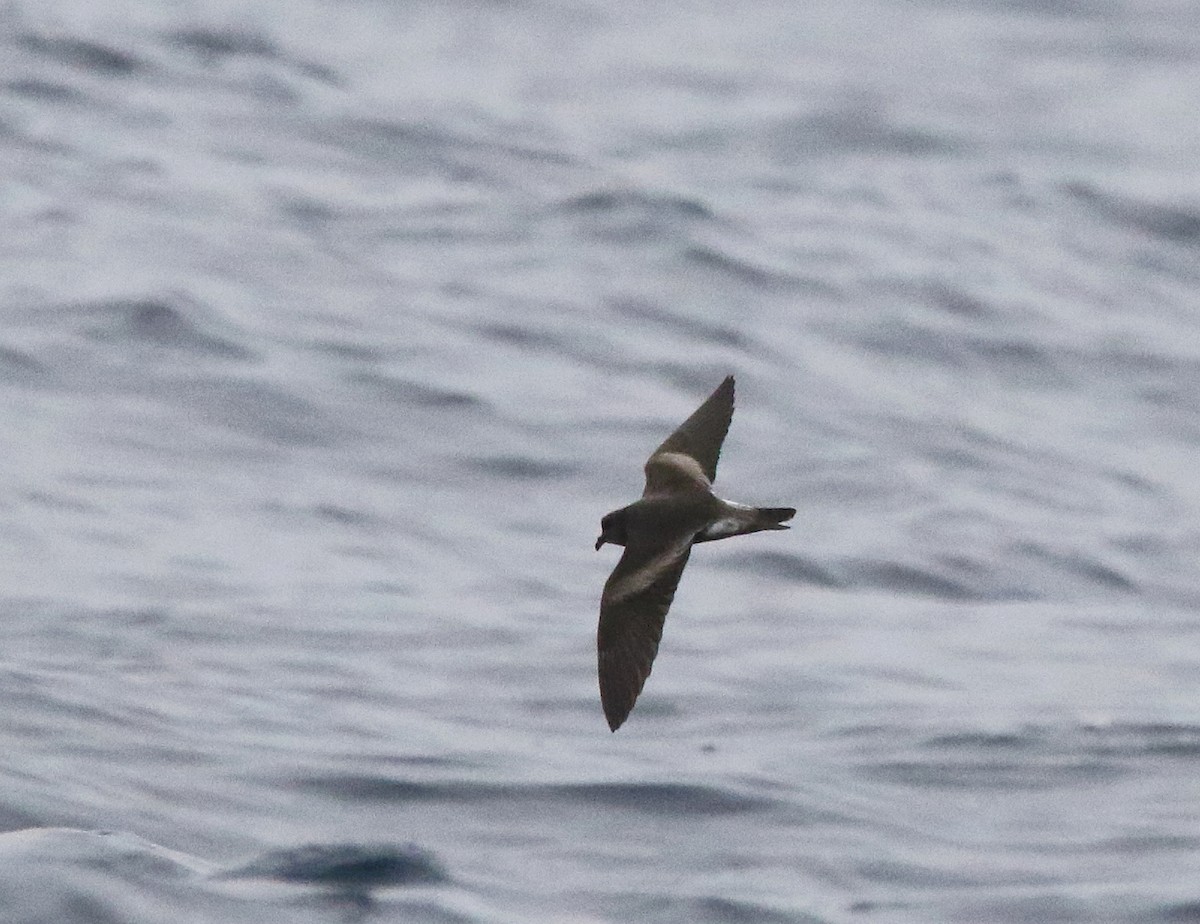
[677, 509]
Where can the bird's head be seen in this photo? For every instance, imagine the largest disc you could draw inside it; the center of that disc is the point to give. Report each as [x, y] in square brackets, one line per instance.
[612, 529]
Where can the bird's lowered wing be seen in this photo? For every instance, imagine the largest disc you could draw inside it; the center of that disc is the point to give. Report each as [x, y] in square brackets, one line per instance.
[632, 611]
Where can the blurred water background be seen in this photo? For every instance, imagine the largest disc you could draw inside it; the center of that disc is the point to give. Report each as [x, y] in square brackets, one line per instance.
[330, 328]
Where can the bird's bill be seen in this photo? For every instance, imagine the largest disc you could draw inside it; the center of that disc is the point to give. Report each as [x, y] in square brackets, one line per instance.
[599, 542]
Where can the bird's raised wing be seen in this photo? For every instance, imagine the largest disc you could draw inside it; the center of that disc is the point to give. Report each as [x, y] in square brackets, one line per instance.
[632, 611]
[687, 459]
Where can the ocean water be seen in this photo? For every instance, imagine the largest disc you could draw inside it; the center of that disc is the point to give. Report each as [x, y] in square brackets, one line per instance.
[329, 330]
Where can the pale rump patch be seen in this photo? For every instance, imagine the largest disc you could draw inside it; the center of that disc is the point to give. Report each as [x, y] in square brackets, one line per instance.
[637, 581]
[736, 519]
[726, 526]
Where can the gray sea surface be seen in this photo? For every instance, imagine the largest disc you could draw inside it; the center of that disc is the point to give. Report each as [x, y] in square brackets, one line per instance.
[330, 328]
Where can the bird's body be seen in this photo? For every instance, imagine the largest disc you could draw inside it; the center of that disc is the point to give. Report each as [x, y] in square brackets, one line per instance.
[677, 510]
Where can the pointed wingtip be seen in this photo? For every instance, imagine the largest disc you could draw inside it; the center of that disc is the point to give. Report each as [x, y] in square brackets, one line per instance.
[727, 389]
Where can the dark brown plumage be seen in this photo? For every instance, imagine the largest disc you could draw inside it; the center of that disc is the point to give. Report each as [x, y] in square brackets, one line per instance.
[676, 510]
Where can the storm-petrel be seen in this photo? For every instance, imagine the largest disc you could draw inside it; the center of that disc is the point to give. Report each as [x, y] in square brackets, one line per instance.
[677, 509]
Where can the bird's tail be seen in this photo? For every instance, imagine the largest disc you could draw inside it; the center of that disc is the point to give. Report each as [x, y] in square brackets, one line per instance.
[773, 517]
[738, 519]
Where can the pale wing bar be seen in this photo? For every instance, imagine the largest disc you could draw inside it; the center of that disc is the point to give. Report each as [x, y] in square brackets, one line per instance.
[670, 472]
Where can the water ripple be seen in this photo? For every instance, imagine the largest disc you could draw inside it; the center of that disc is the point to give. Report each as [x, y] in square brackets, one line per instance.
[668, 799]
[348, 867]
[84, 54]
[177, 323]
